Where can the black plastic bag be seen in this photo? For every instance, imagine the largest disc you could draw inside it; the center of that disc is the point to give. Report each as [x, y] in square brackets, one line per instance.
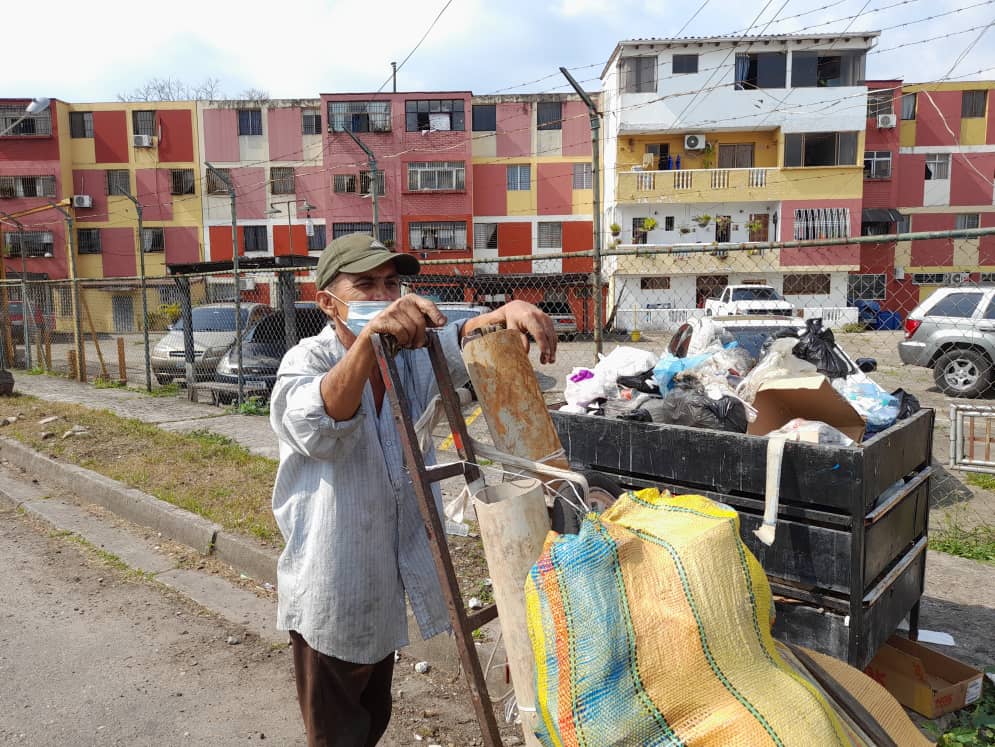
[639, 382]
[818, 347]
[694, 408]
[908, 404]
[778, 334]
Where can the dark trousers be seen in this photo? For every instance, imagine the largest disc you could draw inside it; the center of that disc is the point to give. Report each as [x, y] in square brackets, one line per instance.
[343, 704]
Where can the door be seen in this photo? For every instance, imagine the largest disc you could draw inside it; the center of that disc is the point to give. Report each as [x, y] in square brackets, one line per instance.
[759, 227]
[123, 310]
[659, 151]
[709, 286]
[736, 156]
[723, 229]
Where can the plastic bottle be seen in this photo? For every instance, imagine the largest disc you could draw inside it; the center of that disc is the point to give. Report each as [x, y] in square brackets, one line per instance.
[677, 163]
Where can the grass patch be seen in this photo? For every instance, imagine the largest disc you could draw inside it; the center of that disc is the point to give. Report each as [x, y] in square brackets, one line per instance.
[968, 726]
[100, 383]
[981, 480]
[251, 406]
[853, 327]
[974, 543]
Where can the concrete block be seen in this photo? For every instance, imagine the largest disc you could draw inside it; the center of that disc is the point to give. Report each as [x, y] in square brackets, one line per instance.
[248, 556]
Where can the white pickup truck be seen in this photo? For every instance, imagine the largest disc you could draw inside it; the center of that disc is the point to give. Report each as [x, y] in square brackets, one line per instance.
[737, 300]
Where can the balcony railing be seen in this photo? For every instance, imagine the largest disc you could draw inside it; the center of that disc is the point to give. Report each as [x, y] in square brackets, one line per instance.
[686, 179]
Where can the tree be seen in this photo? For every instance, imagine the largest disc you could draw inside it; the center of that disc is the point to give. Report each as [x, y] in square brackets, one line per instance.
[174, 89]
[255, 94]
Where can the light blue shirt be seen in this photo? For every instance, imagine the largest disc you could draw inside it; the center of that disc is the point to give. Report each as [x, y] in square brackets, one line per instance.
[355, 540]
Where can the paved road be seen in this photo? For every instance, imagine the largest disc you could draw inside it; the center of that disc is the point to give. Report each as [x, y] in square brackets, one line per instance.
[88, 656]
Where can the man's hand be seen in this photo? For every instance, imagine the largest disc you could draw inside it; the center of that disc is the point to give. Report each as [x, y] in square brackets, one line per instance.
[525, 318]
[406, 320]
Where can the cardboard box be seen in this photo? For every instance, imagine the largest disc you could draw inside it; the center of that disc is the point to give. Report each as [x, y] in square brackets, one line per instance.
[923, 679]
[811, 397]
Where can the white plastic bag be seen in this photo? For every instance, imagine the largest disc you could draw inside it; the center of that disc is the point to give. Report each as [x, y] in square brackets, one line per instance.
[624, 361]
[778, 363]
[582, 387]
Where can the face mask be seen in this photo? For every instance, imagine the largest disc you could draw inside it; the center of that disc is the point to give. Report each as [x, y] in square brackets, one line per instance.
[360, 313]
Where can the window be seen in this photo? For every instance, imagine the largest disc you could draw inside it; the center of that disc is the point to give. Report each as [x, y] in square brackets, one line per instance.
[181, 182]
[956, 305]
[668, 223]
[827, 69]
[638, 74]
[550, 235]
[904, 224]
[118, 182]
[343, 183]
[88, 241]
[736, 155]
[143, 122]
[937, 166]
[27, 186]
[930, 278]
[80, 124]
[216, 181]
[866, 287]
[875, 228]
[760, 70]
[316, 240]
[250, 122]
[723, 229]
[908, 106]
[311, 121]
[65, 301]
[549, 115]
[434, 114]
[430, 176]
[437, 236]
[877, 164]
[972, 104]
[344, 229]
[583, 177]
[366, 182]
[484, 117]
[806, 284]
[153, 240]
[638, 232]
[255, 239]
[968, 220]
[822, 223]
[661, 151]
[990, 311]
[988, 277]
[820, 149]
[282, 180]
[879, 102]
[32, 124]
[654, 284]
[359, 116]
[485, 236]
[36, 243]
[519, 177]
[685, 63]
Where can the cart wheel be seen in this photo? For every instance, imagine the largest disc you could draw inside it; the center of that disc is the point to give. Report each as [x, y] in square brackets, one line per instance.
[604, 491]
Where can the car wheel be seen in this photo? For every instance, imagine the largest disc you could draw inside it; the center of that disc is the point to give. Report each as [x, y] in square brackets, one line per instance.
[963, 373]
[164, 379]
[604, 491]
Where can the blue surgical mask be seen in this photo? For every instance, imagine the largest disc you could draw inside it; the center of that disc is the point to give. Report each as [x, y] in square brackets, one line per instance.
[359, 313]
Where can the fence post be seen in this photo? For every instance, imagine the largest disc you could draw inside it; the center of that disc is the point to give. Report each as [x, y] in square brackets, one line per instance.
[122, 366]
[186, 314]
[286, 282]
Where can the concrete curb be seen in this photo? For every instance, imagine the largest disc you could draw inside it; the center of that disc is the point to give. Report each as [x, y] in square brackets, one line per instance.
[246, 556]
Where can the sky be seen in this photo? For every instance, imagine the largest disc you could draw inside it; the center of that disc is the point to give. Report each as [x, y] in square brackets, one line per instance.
[96, 51]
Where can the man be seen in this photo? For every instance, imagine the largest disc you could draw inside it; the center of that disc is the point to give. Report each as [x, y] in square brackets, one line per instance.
[355, 542]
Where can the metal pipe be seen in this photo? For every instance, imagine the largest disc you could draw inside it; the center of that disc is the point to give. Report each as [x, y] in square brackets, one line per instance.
[142, 283]
[77, 310]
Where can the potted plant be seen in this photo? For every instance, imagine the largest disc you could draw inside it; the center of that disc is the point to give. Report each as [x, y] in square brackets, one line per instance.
[685, 229]
[615, 229]
[649, 224]
[754, 226]
[703, 220]
[722, 221]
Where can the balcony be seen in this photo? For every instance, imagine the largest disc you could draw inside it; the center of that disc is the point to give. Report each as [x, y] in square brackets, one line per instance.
[739, 185]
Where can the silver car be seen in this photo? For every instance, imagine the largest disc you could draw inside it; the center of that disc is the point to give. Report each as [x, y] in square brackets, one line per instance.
[953, 332]
[213, 333]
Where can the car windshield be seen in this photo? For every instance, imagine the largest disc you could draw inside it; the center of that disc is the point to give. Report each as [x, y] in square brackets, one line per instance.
[755, 294]
[752, 338]
[213, 319]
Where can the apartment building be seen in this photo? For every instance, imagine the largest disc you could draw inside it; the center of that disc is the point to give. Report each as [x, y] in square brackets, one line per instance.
[723, 140]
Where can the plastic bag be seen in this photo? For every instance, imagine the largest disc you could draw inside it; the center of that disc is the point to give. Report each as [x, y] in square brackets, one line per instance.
[693, 407]
[710, 335]
[669, 366]
[812, 431]
[908, 404]
[778, 363]
[874, 404]
[818, 346]
[583, 386]
[642, 382]
[624, 361]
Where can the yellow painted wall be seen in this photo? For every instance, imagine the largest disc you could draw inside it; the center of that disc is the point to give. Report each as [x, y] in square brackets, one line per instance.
[765, 153]
[583, 201]
[523, 202]
[973, 130]
[907, 133]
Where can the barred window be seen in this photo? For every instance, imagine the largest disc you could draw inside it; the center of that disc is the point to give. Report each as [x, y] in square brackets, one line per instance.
[118, 182]
[88, 241]
[216, 184]
[434, 114]
[36, 243]
[282, 180]
[366, 182]
[26, 186]
[549, 115]
[820, 149]
[931, 278]
[967, 220]
[316, 241]
[31, 124]
[638, 74]
[250, 122]
[550, 235]
[485, 236]
[877, 164]
[255, 238]
[429, 176]
[143, 122]
[437, 235]
[822, 223]
[80, 124]
[343, 183]
[311, 121]
[344, 229]
[181, 182]
[153, 240]
[654, 283]
[359, 116]
[880, 102]
[871, 287]
[65, 301]
[583, 176]
[519, 177]
[806, 284]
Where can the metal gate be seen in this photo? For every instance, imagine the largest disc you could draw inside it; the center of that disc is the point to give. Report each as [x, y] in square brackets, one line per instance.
[972, 438]
[123, 309]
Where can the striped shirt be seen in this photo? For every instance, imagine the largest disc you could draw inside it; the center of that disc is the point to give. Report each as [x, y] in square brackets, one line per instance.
[356, 544]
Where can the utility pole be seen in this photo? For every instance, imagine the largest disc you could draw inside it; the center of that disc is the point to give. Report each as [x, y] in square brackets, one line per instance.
[141, 280]
[374, 179]
[26, 315]
[77, 307]
[596, 184]
[393, 74]
[238, 283]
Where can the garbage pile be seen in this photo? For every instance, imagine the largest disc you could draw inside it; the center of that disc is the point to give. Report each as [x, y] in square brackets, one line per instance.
[717, 384]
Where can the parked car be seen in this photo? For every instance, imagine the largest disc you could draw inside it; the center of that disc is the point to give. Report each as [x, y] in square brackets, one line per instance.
[213, 334]
[953, 333]
[748, 299]
[564, 321]
[264, 345]
[15, 312]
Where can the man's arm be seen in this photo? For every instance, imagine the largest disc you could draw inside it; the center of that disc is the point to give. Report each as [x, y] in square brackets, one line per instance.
[525, 318]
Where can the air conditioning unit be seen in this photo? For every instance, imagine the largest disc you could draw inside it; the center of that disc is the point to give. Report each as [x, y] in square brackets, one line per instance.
[887, 121]
[142, 141]
[694, 142]
[959, 278]
[82, 201]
